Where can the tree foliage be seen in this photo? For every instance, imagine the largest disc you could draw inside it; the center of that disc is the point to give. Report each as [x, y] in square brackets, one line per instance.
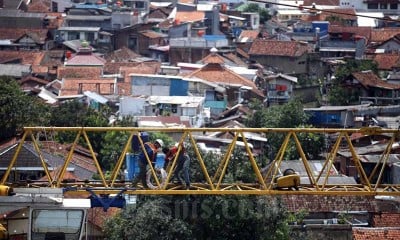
[338, 93]
[18, 109]
[254, 7]
[290, 115]
[201, 217]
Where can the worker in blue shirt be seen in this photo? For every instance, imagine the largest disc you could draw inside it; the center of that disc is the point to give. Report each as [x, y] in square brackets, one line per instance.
[151, 150]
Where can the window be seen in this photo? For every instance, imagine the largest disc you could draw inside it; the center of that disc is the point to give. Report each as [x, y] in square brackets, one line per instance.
[383, 6]
[90, 36]
[372, 6]
[393, 6]
[174, 108]
[66, 221]
[132, 43]
[139, 5]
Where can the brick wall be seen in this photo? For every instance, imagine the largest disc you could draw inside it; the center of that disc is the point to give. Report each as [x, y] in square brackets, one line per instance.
[318, 203]
[319, 231]
[386, 220]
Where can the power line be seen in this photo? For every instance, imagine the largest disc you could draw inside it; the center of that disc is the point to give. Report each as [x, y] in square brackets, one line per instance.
[326, 10]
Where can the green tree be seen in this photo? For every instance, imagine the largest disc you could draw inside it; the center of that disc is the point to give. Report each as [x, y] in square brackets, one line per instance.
[77, 114]
[338, 93]
[150, 219]
[18, 109]
[254, 7]
[290, 115]
[201, 217]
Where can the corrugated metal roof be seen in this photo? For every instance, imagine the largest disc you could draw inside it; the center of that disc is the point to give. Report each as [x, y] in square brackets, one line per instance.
[96, 97]
[15, 70]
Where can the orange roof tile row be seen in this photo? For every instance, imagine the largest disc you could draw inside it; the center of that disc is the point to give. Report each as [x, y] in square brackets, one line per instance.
[216, 73]
[78, 72]
[383, 34]
[278, 48]
[386, 220]
[78, 86]
[376, 233]
[387, 61]
[369, 79]
[16, 33]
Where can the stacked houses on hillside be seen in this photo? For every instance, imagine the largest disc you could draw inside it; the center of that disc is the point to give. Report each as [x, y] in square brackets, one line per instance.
[200, 63]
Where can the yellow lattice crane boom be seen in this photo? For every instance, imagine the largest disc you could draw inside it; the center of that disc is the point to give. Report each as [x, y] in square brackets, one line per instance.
[267, 180]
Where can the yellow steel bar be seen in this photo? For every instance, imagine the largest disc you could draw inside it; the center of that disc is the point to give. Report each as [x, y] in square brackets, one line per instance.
[347, 192]
[68, 159]
[149, 162]
[121, 158]
[14, 158]
[383, 159]
[254, 130]
[274, 165]
[305, 161]
[227, 158]
[358, 163]
[256, 169]
[201, 161]
[330, 159]
[94, 158]
[175, 160]
[42, 161]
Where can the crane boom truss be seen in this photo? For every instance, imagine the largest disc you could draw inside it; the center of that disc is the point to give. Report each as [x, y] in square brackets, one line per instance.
[215, 181]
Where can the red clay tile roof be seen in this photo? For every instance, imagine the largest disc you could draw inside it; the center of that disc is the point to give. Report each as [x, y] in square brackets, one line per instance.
[78, 86]
[142, 68]
[15, 33]
[278, 48]
[79, 72]
[123, 54]
[242, 53]
[85, 58]
[383, 34]
[125, 88]
[190, 16]
[386, 220]
[217, 73]
[213, 58]
[369, 79]
[360, 31]
[339, 13]
[376, 233]
[25, 57]
[81, 156]
[387, 61]
[234, 58]
[249, 34]
[329, 203]
[39, 6]
[97, 216]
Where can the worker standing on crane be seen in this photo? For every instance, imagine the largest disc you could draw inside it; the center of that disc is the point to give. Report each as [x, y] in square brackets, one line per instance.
[181, 172]
[151, 150]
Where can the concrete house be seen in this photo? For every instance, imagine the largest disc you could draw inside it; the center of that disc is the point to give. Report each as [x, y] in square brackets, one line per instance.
[286, 57]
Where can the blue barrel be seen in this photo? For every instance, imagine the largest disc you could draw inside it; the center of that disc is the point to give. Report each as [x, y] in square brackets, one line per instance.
[132, 168]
